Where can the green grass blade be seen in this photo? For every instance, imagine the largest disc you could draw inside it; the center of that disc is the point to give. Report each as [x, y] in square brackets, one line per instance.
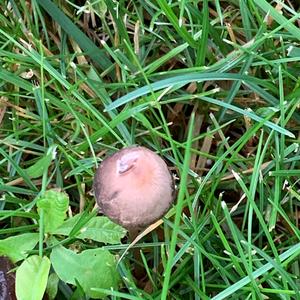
[72, 30]
[179, 206]
[293, 250]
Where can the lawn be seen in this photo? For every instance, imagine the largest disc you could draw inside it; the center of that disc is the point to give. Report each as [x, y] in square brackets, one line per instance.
[212, 87]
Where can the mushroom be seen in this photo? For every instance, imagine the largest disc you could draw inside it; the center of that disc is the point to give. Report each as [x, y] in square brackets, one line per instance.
[134, 187]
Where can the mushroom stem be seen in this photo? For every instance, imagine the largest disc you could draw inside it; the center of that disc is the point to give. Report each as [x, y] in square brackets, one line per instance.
[138, 270]
[133, 233]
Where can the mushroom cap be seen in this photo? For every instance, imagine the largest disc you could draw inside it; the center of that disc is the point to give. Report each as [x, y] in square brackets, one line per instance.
[134, 187]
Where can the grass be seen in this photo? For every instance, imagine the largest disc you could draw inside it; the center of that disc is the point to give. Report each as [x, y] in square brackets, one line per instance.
[212, 86]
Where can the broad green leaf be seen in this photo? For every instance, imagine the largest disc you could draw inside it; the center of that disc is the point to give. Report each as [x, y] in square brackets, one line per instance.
[100, 229]
[37, 169]
[31, 278]
[93, 268]
[55, 205]
[16, 247]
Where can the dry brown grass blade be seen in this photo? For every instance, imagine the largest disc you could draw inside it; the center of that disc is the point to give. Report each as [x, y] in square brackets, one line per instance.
[140, 236]
[197, 130]
[204, 149]
[2, 112]
[246, 172]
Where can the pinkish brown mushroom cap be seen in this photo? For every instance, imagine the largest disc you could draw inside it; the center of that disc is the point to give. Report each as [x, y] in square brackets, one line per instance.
[134, 187]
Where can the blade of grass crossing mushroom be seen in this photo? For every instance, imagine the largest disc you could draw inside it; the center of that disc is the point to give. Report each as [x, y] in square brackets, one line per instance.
[179, 207]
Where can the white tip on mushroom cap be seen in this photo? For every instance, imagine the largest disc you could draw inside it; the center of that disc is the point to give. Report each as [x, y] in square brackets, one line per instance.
[134, 187]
